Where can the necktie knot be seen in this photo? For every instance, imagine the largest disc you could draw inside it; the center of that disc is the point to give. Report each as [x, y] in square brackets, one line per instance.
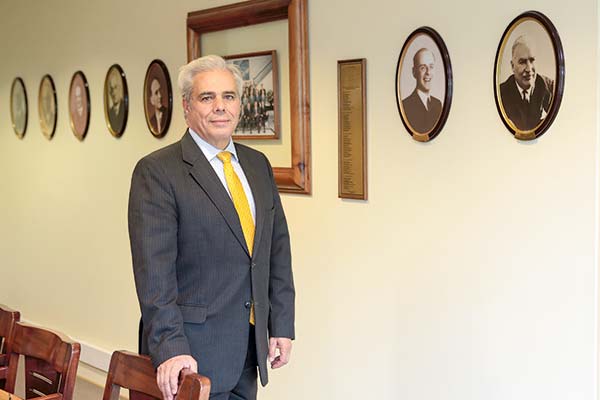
[224, 156]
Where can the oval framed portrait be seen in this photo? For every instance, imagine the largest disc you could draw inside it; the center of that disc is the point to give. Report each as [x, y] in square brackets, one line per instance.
[529, 75]
[116, 100]
[47, 106]
[158, 98]
[18, 107]
[79, 105]
[424, 84]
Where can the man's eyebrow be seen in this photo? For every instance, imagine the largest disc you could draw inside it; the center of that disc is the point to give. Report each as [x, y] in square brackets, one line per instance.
[206, 93]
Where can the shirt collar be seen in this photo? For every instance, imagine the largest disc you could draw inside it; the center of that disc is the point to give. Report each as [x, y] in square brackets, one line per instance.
[210, 151]
[424, 97]
[529, 91]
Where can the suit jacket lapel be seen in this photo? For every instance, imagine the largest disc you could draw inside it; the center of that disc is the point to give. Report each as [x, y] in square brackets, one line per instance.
[258, 192]
[204, 175]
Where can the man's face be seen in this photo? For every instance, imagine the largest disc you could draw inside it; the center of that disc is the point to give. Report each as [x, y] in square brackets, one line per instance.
[423, 70]
[523, 66]
[213, 110]
[155, 95]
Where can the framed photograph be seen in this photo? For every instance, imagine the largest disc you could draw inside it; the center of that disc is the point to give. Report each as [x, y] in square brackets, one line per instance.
[424, 84]
[260, 95]
[116, 100]
[79, 105]
[47, 106]
[529, 75]
[158, 98]
[18, 107]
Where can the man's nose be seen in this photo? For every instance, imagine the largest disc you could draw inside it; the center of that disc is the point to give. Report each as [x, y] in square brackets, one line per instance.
[218, 104]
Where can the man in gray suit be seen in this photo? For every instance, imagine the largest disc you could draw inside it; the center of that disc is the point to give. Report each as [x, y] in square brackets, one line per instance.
[213, 299]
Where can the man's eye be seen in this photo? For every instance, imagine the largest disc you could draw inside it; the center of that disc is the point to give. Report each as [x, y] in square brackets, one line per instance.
[205, 99]
[229, 97]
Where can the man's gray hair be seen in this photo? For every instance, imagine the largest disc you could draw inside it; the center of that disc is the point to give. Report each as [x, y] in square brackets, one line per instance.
[188, 72]
[520, 41]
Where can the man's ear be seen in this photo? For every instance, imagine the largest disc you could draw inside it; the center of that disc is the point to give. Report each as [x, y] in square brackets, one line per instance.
[186, 106]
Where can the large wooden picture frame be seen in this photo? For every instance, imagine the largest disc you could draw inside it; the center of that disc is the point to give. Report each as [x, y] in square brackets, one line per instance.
[296, 178]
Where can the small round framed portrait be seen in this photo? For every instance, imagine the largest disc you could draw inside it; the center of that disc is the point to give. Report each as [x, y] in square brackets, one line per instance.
[116, 100]
[158, 98]
[47, 106]
[79, 105]
[18, 107]
[424, 84]
[529, 75]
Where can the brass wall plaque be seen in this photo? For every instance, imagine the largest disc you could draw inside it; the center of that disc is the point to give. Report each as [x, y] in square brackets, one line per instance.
[352, 126]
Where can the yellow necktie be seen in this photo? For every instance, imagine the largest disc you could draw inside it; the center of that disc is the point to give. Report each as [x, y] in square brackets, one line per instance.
[240, 202]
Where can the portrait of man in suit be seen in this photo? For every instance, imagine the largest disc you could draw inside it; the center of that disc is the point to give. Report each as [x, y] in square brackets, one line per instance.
[18, 107]
[421, 108]
[210, 247]
[526, 95]
[79, 103]
[158, 117]
[47, 107]
[115, 102]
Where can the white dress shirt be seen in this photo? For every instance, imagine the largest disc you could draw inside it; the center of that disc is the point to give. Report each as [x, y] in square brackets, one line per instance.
[210, 152]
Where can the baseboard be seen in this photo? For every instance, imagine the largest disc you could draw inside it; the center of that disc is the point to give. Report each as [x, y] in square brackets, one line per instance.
[92, 355]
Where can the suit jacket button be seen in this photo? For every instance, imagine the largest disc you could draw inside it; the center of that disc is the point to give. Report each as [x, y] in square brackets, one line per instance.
[252, 265]
[247, 304]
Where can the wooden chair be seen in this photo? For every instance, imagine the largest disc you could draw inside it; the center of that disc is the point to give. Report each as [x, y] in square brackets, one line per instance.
[136, 373]
[8, 318]
[51, 361]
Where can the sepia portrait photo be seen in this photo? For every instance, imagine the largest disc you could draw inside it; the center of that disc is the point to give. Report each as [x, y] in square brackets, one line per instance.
[260, 117]
[529, 75]
[424, 84]
[47, 106]
[18, 107]
[79, 105]
[116, 100]
[158, 98]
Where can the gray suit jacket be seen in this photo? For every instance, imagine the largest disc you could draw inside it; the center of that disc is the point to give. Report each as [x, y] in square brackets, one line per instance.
[192, 268]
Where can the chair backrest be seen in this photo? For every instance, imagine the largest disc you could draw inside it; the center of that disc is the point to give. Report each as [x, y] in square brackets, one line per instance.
[51, 361]
[8, 318]
[136, 373]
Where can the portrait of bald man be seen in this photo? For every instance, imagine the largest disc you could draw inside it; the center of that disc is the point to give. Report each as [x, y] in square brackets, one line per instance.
[157, 112]
[526, 95]
[421, 108]
[115, 100]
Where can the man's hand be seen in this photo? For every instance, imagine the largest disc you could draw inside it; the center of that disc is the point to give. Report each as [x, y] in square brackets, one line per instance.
[284, 345]
[167, 374]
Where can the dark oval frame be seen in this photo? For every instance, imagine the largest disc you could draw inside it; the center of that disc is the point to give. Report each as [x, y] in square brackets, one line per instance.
[48, 135]
[162, 66]
[439, 42]
[88, 105]
[116, 133]
[19, 81]
[559, 83]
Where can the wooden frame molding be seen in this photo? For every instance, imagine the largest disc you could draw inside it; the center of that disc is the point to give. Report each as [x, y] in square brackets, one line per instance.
[296, 178]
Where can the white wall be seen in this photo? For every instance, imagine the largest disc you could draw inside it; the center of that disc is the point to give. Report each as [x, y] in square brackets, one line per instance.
[469, 274]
